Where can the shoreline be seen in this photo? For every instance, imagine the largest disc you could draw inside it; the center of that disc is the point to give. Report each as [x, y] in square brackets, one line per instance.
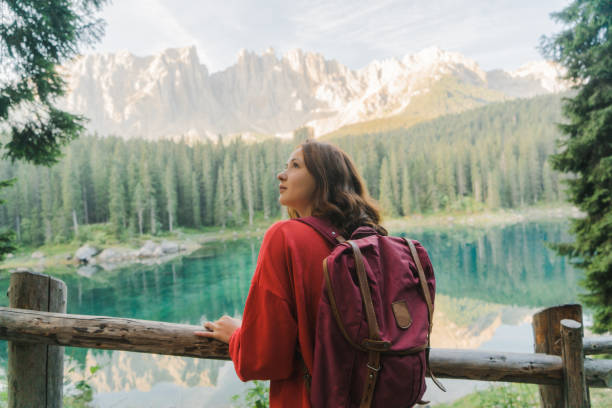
[191, 240]
[484, 219]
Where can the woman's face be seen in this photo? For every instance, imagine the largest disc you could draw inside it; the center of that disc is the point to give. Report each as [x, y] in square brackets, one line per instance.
[297, 186]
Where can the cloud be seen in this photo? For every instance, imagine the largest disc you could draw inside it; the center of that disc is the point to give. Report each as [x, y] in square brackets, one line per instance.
[144, 27]
[354, 32]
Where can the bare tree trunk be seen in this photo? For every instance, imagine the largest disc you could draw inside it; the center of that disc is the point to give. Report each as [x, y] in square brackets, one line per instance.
[85, 210]
[18, 227]
[48, 230]
[140, 221]
[75, 223]
[152, 213]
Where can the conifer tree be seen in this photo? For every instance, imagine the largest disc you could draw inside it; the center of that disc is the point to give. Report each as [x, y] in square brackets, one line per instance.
[476, 175]
[71, 192]
[268, 182]
[236, 195]
[547, 184]
[148, 195]
[406, 191]
[208, 182]
[139, 204]
[248, 183]
[220, 205]
[117, 201]
[493, 196]
[395, 169]
[195, 196]
[171, 194]
[46, 200]
[584, 48]
[386, 189]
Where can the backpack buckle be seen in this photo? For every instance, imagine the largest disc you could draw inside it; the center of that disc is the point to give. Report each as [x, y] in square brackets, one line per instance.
[376, 345]
[373, 368]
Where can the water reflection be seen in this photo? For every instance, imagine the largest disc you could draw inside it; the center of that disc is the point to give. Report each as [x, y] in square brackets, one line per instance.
[508, 265]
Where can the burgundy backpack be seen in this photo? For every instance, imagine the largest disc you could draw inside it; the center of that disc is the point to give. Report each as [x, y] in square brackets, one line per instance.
[373, 322]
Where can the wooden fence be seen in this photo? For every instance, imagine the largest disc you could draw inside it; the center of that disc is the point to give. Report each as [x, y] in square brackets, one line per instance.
[37, 327]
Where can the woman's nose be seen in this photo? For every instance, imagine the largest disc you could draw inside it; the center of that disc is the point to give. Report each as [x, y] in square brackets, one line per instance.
[281, 176]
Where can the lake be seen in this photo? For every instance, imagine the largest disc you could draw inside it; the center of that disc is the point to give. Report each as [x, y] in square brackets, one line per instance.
[490, 282]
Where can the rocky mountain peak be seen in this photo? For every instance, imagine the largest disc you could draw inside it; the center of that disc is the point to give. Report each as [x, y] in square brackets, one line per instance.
[171, 94]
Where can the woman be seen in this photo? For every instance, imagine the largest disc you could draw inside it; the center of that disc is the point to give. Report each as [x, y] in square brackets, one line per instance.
[277, 331]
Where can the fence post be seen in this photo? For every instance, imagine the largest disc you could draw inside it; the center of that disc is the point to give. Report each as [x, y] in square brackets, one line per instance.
[575, 391]
[547, 336]
[35, 371]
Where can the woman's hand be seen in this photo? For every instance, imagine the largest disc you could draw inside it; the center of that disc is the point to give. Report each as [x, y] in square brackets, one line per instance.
[221, 330]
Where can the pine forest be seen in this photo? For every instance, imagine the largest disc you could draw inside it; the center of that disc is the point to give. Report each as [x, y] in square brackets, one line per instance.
[487, 158]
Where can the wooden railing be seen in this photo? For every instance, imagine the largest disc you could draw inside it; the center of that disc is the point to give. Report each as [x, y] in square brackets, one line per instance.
[37, 327]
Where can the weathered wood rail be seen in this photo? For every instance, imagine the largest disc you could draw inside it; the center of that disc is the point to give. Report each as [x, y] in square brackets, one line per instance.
[145, 336]
[567, 374]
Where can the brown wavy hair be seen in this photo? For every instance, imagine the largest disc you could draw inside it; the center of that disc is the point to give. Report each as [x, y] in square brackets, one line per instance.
[340, 195]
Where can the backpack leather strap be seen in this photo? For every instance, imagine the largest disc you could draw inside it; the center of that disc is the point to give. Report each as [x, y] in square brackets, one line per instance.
[373, 366]
[364, 288]
[324, 228]
[423, 281]
[430, 309]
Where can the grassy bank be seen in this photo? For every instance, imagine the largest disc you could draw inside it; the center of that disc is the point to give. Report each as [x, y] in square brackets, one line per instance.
[483, 218]
[519, 396]
[100, 235]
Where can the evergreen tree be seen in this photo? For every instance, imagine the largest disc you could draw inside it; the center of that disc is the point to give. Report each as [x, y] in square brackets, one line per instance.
[394, 169]
[406, 191]
[35, 36]
[476, 176]
[220, 206]
[71, 192]
[208, 182]
[149, 195]
[100, 172]
[268, 181]
[585, 50]
[547, 184]
[460, 170]
[139, 204]
[236, 195]
[195, 196]
[171, 194]
[117, 201]
[46, 200]
[248, 184]
[386, 189]
[493, 196]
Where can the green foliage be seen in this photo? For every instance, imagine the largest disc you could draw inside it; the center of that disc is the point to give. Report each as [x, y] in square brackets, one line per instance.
[258, 396]
[6, 236]
[35, 37]
[505, 396]
[84, 392]
[585, 49]
[519, 396]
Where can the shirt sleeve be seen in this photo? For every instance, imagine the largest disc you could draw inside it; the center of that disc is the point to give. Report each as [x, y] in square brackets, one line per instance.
[264, 347]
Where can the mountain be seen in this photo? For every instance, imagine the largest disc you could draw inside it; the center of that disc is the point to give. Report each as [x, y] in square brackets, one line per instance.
[173, 95]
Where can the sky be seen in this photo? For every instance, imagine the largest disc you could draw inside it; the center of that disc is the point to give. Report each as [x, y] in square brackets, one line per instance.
[495, 33]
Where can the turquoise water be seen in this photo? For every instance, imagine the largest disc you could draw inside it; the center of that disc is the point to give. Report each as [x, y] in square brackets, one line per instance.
[489, 282]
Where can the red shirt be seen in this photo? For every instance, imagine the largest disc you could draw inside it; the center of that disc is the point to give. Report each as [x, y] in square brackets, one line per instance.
[280, 312]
